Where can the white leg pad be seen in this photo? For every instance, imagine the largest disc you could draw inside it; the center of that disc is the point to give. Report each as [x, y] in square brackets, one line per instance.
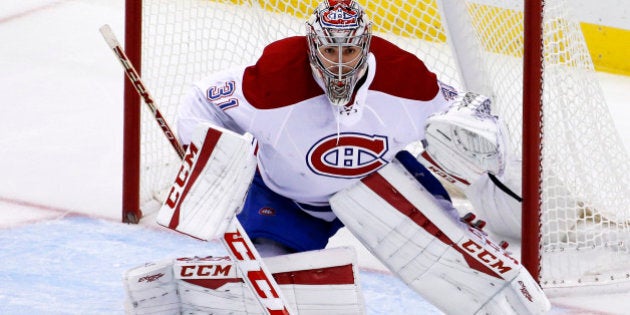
[317, 282]
[151, 289]
[452, 265]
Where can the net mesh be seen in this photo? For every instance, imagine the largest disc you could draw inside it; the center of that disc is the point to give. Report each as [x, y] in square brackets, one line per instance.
[586, 191]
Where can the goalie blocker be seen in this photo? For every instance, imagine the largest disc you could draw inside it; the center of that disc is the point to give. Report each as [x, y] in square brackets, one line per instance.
[317, 282]
[211, 184]
[422, 240]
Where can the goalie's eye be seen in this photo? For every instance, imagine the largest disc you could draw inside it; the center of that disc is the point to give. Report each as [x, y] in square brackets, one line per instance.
[343, 54]
[329, 51]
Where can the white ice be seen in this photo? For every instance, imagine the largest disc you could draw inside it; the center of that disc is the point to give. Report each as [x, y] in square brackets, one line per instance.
[62, 248]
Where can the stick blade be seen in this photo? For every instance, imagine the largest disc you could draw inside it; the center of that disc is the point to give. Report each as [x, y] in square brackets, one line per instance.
[109, 36]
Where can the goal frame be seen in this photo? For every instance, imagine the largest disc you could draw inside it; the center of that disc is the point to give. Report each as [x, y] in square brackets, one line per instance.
[532, 126]
[131, 212]
[532, 136]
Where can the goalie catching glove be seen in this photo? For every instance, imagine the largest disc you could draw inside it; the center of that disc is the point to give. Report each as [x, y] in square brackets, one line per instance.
[466, 141]
[467, 147]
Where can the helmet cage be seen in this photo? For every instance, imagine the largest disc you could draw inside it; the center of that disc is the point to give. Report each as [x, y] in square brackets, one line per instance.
[340, 28]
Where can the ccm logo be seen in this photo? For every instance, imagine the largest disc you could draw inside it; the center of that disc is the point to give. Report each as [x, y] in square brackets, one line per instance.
[205, 270]
[485, 256]
[151, 278]
[524, 291]
[182, 177]
[442, 174]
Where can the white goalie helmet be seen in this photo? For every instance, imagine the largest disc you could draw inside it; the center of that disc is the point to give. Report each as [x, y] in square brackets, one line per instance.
[339, 36]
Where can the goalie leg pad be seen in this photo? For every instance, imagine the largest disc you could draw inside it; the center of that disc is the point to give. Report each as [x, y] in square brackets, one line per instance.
[451, 264]
[211, 185]
[151, 289]
[316, 282]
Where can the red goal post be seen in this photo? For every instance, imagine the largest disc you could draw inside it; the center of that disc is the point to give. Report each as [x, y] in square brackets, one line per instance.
[131, 212]
[576, 188]
[532, 135]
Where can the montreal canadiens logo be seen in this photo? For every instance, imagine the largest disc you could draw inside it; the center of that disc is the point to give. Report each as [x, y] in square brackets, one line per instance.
[350, 155]
[340, 15]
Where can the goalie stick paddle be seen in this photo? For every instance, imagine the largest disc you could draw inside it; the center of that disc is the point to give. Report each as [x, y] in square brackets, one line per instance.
[235, 239]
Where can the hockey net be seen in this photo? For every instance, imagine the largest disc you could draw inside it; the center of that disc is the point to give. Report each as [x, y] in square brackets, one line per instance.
[585, 192]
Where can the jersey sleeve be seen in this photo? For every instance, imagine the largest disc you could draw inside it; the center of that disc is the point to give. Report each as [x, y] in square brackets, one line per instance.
[209, 101]
[401, 73]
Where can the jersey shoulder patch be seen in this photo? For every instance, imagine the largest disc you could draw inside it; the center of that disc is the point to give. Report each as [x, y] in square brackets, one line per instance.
[400, 73]
[281, 76]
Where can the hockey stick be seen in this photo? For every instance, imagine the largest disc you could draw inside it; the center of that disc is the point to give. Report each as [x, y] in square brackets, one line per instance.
[253, 269]
[134, 78]
[238, 244]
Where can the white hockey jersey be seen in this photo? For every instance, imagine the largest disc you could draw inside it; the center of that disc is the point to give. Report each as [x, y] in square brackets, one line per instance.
[307, 149]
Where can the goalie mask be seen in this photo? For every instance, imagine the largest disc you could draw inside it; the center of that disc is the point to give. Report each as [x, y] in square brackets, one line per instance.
[338, 35]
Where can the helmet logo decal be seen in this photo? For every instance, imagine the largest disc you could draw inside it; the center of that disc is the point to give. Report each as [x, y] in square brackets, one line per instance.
[340, 15]
[347, 155]
[332, 3]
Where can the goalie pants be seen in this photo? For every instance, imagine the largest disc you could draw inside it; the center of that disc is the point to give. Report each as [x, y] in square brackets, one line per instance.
[269, 215]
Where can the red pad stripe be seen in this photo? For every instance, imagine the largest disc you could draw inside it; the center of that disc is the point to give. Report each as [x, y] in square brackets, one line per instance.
[330, 275]
[324, 276]
[389, 193]
[209, 143]
[213, 283]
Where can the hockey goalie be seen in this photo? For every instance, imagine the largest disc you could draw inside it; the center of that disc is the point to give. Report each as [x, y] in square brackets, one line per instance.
[401, 213]
[283, 153]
